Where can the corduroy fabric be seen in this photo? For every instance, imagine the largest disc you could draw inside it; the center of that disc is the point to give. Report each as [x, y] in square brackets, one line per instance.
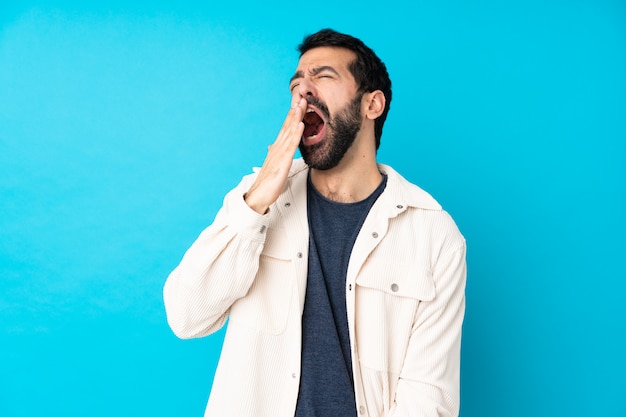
[404, 295]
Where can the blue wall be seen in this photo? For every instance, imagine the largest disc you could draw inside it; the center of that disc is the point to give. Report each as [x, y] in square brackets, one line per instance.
[122, 127]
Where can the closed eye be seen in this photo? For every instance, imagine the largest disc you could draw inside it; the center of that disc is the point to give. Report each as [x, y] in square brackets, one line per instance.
[324, 71]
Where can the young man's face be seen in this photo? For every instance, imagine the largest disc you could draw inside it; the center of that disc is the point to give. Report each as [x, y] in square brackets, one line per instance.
[333, 116]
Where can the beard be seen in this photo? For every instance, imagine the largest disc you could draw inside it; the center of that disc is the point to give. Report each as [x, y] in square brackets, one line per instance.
[341, 131]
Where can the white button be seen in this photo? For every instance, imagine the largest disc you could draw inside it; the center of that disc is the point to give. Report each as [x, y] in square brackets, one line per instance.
[293, 375]
[362, 409]
[394, 287]
[299, 254]
[374, 235]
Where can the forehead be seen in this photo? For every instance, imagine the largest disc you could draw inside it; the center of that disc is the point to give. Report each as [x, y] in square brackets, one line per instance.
[338, 58]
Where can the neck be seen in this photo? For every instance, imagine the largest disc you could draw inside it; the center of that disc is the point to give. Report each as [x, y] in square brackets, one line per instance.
[354, 179]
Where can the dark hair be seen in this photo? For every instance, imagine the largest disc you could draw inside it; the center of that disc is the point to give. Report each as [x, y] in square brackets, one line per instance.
[367, 69]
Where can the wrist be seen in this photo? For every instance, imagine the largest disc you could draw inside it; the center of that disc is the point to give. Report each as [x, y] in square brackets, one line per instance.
[255, 205]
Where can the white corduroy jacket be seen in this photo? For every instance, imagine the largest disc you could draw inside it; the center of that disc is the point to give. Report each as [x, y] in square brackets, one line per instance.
[405, 295]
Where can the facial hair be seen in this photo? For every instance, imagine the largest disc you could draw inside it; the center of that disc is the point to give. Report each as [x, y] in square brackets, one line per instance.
[341, 131]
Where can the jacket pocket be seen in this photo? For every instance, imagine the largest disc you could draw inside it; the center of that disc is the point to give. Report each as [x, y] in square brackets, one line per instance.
[386, 302]
[266, 305]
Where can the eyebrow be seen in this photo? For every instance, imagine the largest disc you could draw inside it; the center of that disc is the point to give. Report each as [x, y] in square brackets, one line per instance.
[314, 71]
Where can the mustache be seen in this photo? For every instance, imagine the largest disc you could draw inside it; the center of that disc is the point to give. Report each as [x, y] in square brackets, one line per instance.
[316, 102]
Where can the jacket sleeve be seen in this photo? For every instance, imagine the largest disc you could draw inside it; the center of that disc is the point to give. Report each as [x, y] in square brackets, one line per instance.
[429, 383]
[217, 269]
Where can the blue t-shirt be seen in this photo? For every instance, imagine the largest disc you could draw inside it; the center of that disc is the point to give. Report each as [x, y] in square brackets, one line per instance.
[326, 384]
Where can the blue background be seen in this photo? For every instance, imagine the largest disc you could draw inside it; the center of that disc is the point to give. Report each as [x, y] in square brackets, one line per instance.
[122, 125]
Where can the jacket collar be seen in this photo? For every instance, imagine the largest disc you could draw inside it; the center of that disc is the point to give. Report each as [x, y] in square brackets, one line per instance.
[398, 192]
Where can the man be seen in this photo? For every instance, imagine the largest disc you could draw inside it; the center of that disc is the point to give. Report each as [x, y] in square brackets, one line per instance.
[343, 284]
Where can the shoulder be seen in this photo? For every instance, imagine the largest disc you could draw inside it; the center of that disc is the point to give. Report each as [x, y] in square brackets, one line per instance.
[403, 190]
[422, 212]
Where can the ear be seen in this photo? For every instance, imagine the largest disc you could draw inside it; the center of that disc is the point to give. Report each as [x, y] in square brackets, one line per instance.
[374, 104]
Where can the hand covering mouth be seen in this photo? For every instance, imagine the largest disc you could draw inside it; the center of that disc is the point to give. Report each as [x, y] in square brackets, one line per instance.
[313, 124]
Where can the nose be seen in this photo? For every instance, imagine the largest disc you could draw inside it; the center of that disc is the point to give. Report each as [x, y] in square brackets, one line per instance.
[305, 88]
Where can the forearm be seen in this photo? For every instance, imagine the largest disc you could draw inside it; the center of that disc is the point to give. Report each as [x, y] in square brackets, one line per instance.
[216, 270]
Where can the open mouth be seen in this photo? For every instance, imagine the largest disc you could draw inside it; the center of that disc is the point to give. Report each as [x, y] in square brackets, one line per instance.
[313, 127]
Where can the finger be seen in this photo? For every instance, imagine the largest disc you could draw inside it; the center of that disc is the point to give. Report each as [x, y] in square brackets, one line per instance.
[293, 124]
[290, 138]
[299, 107]
[295, 115]
[296, 99]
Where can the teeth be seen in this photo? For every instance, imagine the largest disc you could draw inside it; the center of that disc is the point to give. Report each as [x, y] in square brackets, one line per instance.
[309, 110]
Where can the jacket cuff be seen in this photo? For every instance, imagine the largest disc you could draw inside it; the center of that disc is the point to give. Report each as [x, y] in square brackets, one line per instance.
[245, 220]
